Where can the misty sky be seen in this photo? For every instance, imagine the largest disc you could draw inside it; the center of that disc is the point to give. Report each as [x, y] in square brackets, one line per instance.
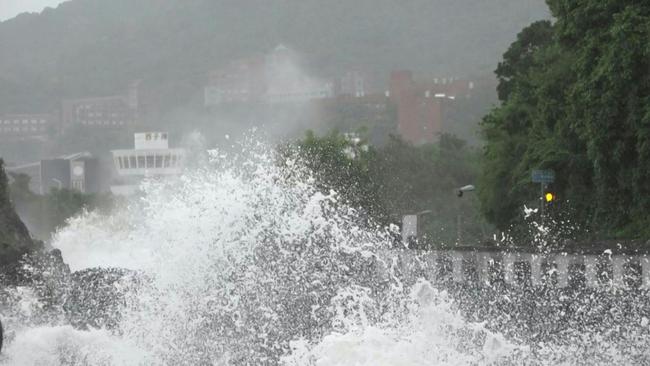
[11, 8]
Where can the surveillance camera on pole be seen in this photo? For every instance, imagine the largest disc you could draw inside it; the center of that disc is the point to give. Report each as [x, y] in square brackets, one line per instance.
[467, 188]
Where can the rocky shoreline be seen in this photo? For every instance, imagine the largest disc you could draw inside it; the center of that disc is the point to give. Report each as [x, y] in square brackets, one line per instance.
[30, 273]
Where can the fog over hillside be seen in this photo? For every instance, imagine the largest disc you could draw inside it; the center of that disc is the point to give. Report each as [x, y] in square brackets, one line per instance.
[95, 47]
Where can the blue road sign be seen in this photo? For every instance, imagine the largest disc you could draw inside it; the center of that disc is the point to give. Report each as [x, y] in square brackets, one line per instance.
[543, 176]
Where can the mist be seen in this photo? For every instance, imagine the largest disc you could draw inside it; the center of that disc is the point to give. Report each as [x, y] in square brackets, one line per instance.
[302, 182]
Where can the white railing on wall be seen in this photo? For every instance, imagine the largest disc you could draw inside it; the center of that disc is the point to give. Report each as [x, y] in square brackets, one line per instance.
[485, 268]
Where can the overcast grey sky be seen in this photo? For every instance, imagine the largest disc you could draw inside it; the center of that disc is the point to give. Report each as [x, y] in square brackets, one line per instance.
[11, 8]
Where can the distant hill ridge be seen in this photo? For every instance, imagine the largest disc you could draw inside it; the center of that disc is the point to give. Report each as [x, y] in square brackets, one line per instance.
[95, 47]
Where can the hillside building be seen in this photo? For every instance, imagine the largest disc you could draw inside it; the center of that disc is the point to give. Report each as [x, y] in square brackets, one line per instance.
[276, 78]
[421, 106]
[242, 81]
[80, 172]
[111, 112]
[39, 125]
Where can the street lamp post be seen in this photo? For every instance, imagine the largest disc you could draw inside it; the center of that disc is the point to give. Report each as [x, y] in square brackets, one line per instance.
[459, 220]
[411, 225]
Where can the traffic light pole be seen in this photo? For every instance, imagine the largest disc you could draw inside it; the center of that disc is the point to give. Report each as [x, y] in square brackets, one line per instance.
[543, 177]
[542, 201]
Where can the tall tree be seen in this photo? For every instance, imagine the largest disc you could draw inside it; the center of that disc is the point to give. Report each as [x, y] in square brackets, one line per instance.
[575, 97]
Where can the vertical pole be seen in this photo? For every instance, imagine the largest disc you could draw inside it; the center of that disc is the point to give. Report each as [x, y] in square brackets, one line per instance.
[458, 222]
[458, 228]
[541, 201]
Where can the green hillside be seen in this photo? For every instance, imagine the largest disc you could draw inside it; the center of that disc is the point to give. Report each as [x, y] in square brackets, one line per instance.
[95, 47]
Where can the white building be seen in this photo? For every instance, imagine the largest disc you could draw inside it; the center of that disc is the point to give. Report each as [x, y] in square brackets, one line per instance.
[151, 157]
[287, 82]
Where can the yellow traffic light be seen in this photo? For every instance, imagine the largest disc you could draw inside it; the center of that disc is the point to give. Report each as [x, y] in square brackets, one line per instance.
[549, 197]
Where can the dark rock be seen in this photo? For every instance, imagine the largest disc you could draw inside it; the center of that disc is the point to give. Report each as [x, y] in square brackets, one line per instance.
[15, 240]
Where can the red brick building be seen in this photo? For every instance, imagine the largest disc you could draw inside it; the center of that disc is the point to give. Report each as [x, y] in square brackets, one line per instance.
[421, 105]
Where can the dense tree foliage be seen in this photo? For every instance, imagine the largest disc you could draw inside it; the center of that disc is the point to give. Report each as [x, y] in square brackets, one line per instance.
[397, 178]
[575, 98]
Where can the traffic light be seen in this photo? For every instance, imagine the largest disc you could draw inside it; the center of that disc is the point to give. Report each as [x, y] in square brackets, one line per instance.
[549, 197]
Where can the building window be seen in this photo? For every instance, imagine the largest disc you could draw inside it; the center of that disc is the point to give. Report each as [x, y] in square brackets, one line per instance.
[119, 162]
[78, 185]
[132, 162]
[141, 162]
[159, 163]
[150, 161]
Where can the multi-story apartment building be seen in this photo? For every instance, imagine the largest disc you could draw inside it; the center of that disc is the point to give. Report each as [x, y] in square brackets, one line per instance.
[111, 112]
[421, 106]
